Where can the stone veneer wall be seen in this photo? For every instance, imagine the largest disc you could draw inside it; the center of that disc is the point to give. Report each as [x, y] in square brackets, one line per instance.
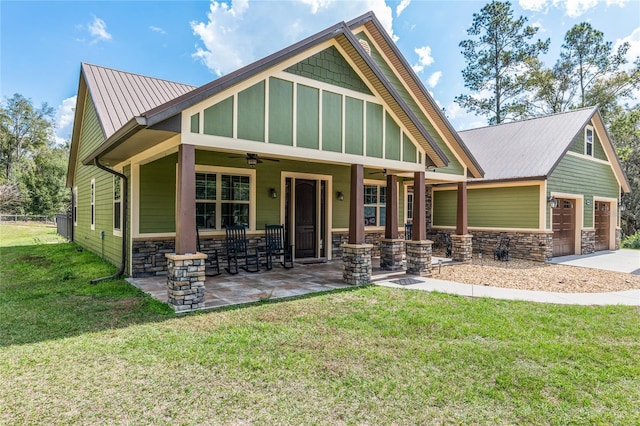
[371, 237]
[618, 238]
[534, 245]
[149, 254]
[588, 241]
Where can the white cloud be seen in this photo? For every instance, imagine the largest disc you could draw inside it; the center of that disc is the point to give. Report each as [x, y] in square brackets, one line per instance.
[433, 79]
[157, 29]
[98, 29]
[534, 5]
[64, 118]
[402, 6]
[634, 44]
[238, 33]
[424, 58]
[575, 8]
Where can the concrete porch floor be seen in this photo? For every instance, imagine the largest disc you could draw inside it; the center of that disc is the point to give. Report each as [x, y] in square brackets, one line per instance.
[279, 283]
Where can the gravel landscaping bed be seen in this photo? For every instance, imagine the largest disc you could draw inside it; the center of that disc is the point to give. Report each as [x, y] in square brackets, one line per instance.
[527, 275]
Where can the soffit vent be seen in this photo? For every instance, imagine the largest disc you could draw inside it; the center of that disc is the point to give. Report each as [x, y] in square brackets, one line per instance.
[366, 46]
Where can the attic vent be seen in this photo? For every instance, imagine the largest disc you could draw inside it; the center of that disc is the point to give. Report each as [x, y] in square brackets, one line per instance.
[366, 46]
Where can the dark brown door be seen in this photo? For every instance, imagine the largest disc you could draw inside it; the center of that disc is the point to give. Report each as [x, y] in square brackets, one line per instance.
[305, 218]
[564, 228]
[602, 224]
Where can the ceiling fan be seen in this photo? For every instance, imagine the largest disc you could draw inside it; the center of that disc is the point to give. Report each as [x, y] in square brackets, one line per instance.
[382, 172]
[253, 159]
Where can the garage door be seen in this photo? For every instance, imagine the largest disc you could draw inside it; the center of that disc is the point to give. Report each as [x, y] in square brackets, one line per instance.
[564, 227]
[602, 224]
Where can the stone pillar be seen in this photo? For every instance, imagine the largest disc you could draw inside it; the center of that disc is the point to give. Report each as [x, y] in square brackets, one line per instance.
[461, 248]
[357, 263]
[391, 251]
[419, 257]
[185, 281]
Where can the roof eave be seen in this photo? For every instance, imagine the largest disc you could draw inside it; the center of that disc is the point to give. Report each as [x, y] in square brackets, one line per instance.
[176, 106]
[370, 17]
[132, 127]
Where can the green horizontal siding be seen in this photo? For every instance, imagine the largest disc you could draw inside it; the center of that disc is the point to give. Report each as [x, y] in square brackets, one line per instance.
[157, 189]
[575, 175]
[158, 195]
[511, 207]
[578, 145]
[110, 247]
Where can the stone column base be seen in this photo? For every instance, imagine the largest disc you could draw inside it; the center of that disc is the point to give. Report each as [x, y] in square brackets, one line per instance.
[419, 257]
[461, 248]
[357, 263]
[185, 281]
[391, 251]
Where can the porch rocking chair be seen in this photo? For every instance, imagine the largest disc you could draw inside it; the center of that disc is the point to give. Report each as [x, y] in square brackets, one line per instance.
[277, 247]
[501, 252]
[238, 248]
[408, 228]
[212, 259]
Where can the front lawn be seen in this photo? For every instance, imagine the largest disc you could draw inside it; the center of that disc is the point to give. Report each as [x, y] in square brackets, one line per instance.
[73, 353]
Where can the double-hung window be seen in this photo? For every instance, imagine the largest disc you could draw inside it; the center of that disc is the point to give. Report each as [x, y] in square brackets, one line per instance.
[588, 141]
[223, 199]
[375, 207]
[409, 203]
[117, 206]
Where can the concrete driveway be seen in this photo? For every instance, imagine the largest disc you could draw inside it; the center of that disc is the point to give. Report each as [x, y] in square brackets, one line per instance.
[623, 260]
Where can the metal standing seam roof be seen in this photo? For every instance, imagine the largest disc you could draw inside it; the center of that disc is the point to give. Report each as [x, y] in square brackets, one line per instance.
[527, 148]
[119, 96]
[176, 104]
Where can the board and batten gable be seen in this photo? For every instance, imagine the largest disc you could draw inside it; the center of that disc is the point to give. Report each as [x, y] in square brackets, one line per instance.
[500, 207]
[454, 166]
[317, 103]
[109, 247]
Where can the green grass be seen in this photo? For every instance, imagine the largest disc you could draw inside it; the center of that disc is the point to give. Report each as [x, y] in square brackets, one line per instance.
[73, 353]
[27, 233]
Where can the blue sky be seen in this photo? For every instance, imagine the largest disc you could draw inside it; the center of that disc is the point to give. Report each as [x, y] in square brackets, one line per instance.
[42, 43]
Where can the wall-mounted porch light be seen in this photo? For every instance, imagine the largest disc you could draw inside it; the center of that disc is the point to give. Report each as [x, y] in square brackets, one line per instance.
[553, 202]
[340, 196]
[273, 193]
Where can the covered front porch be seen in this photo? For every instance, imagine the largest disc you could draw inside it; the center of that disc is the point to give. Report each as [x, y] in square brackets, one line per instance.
[277, 284]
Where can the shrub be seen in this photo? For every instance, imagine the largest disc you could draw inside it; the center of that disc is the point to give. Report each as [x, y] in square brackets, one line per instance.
[632, 241]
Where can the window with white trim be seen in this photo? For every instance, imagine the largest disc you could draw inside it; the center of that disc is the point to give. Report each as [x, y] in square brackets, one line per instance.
[408, 205]
[93, 204]
[375, 205]
[588, 141]
[117, 205]
[222, 199]
[74, 212]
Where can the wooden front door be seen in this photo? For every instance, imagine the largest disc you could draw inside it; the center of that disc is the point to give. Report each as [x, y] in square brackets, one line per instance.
[564, 228]
[305, 218]
[602, 224]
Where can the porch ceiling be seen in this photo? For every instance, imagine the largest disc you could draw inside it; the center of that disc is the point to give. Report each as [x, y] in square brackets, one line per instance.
[138, 142]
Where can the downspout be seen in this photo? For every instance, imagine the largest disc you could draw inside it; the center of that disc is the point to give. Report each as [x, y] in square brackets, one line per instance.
[124, 187]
